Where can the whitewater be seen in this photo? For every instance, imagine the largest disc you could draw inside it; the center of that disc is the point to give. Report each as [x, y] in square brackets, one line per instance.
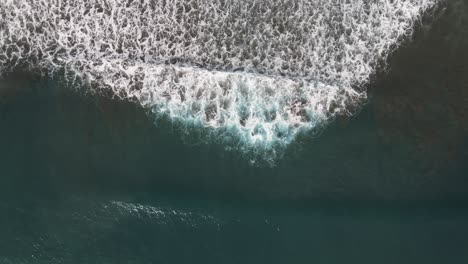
[252, 74]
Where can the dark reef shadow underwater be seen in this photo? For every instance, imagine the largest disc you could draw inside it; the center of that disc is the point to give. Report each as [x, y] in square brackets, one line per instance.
[87, 179]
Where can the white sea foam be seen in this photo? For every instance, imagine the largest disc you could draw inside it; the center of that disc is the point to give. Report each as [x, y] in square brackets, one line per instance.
[254, 74]
[159, 214]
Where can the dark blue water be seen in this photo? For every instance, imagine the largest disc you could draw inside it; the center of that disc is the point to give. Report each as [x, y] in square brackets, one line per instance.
[88, 179]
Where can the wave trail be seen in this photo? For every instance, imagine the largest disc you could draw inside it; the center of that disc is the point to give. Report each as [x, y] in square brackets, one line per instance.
[253, 73]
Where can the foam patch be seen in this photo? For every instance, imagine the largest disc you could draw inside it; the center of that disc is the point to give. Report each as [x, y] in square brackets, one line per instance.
[254, 74]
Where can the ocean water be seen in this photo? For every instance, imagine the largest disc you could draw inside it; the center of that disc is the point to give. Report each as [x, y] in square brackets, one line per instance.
[87, 177]
[252, 75]
[90, 229]
[88, 180]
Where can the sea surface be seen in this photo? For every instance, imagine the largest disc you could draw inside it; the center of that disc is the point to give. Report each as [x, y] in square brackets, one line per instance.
[87, 178]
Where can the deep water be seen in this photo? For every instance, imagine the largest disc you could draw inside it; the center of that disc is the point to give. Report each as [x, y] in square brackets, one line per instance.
[94, 229]
[62, 141]
[88, 179]
[91, 180]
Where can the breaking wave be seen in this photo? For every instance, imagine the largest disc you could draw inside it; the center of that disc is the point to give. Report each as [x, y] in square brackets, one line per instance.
[253, 74]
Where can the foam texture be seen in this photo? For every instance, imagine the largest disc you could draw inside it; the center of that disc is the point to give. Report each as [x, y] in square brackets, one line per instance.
[253, 74]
